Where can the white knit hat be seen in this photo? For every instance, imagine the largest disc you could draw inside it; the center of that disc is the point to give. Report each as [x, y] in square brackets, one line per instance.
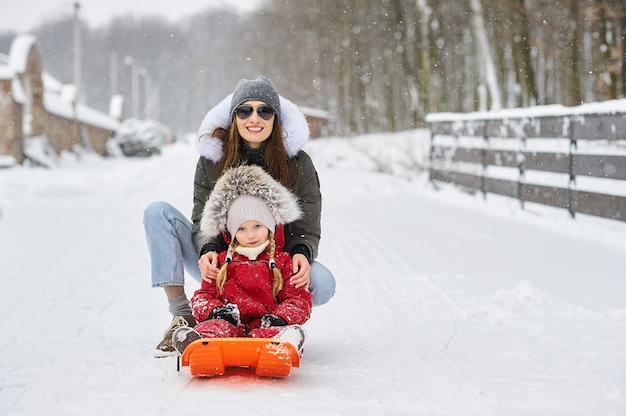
[247, 208]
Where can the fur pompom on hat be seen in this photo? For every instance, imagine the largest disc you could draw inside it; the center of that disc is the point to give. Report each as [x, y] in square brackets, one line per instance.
[247, 181]
[260, 89]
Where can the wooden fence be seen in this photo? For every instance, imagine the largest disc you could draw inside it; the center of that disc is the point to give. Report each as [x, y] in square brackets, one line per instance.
[535, 157]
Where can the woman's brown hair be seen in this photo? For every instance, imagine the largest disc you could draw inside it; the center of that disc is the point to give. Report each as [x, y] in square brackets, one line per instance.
[274, 152]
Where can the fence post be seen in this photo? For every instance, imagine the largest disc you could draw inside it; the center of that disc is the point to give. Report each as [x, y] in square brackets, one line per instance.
[572, 177]
[430, 156]
[521, 166]
[483, 160]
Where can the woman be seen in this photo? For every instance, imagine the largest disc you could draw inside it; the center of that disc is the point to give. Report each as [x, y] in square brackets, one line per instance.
[254, 125]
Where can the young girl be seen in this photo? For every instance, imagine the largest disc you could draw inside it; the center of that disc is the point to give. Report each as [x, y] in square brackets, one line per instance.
[250, 296]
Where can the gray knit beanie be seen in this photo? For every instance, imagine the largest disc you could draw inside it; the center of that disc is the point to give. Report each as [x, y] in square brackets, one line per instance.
[247, 208]
[260, 89]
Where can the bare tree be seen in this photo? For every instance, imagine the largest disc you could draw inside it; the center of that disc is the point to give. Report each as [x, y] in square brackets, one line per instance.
[487, 69]
[522, 52]
[376, 65]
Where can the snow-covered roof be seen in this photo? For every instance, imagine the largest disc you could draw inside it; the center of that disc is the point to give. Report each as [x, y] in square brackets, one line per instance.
[313, 112]
[50, 83]
[6, 72]
[56, 105]
[18, 56]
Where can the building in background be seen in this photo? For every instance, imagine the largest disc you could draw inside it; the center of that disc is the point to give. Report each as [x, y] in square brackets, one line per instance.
[34, 105]
[317, 120]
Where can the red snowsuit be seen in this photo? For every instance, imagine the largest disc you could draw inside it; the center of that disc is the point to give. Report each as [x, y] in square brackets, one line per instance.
[249, 286]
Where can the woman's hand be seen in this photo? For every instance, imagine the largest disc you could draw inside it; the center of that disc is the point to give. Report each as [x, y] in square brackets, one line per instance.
[208, 266]
[301, 272]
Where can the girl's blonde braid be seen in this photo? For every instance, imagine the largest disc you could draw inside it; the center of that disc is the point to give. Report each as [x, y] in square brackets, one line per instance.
[278, 277]
[222, 275]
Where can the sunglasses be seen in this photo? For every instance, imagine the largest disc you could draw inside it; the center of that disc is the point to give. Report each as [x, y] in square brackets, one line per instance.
[245, 111]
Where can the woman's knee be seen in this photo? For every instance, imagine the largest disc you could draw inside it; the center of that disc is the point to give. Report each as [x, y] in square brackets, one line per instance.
[323, 284]
[155, 210]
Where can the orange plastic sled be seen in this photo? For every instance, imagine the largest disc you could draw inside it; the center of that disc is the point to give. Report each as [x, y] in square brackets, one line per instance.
[267, 357]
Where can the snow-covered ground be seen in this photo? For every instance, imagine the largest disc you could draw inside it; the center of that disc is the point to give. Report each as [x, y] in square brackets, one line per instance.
[446, 304]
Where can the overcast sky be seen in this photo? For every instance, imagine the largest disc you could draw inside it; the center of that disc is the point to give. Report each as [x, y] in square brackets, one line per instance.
[23, 15]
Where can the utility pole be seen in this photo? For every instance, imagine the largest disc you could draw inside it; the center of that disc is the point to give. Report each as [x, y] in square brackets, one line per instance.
[113, 73]
[82, 136]
[77, 52]
[134, 84]
[147, 82]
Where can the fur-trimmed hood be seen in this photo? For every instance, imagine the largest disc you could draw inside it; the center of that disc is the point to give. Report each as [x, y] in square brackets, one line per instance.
[247, 180]
[295, 128]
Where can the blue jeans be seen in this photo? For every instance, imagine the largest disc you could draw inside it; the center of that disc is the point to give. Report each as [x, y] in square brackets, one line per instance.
[168, 233]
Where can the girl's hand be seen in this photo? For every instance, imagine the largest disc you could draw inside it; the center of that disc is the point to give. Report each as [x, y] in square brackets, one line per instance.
[208, 266]
[301, 272]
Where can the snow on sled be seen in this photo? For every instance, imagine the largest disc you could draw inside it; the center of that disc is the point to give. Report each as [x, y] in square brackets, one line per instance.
[267, 357]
